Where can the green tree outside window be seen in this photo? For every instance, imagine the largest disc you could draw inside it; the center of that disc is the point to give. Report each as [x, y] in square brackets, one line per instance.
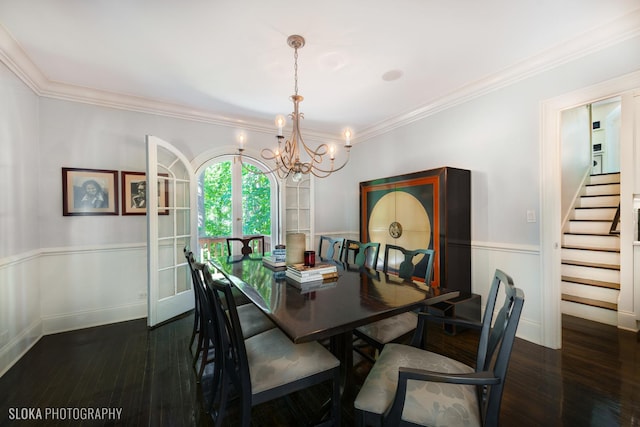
[217, 193]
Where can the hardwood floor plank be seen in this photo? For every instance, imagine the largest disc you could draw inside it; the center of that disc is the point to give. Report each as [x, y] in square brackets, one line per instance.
[593, 380]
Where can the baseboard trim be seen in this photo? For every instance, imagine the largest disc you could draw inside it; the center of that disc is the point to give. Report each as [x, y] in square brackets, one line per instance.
[529, 331]
[627, 321]
[506, 247]
[19, 346]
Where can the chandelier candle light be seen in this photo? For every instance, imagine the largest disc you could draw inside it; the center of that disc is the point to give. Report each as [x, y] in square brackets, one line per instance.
[287, 155]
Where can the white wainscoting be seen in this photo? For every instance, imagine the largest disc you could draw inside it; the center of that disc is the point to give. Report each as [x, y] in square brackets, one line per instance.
[61, 289]
[522, 263]
[92, 286]
[20, 323]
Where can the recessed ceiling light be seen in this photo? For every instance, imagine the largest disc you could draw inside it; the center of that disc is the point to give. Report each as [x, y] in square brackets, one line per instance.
[392, 75]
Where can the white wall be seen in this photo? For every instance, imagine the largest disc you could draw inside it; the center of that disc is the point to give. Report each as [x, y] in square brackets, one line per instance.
[20, 208]
[19, 166]
[576, 153]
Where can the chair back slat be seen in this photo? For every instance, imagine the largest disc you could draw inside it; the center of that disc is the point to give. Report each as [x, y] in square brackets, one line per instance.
[250, 244]
[407, 269]
[332, 245]
[362, 254]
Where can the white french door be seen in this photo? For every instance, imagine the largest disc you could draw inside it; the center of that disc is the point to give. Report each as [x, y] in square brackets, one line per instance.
[170, 227]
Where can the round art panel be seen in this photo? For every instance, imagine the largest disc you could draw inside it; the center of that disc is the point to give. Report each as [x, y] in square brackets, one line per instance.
[398, 218]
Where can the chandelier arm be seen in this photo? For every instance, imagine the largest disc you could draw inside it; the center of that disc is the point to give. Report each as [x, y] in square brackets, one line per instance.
[317, 154]
[333, 169]
[282, 157]
[278, 170]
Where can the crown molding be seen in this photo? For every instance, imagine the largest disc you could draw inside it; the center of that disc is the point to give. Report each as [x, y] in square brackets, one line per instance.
[609, 34]
[599, 38]
[17, 61]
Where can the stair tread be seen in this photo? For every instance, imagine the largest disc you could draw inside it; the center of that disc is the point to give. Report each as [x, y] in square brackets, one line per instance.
[591, 282]
[590, 248]
[591, 220]
[591, 264]
[591, 302]
[596, 207]
[573, 233]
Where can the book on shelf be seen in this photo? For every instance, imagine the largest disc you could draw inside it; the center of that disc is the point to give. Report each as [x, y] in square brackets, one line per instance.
[318, 277]
[304, 271]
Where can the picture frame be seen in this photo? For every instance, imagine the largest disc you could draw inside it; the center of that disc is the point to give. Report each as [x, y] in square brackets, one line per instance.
[134, 199]
[89, 192]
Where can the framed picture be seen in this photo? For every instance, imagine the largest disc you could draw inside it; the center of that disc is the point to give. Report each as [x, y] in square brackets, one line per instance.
[134, 193]
[89, 192]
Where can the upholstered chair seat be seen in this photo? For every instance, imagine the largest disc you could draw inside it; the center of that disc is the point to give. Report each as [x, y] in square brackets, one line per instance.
[390, 328]
[275, 361]
[427, 403]
[253, 321]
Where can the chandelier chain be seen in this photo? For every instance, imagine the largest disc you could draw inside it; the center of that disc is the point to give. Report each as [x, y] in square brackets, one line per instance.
[295, 71]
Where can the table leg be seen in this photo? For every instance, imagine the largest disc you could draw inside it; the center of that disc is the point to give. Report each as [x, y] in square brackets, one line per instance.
[342, 347]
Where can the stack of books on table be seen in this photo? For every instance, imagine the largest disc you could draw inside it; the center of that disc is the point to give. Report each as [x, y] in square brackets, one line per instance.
[276, 260]
[316, 285]
[319, 273]
[273, 263]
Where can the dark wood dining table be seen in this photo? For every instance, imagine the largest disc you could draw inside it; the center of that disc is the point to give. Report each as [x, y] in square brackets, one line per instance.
[332, 310]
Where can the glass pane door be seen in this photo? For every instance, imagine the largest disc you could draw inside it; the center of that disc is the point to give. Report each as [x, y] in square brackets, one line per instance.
[235, 200]
[169, 231]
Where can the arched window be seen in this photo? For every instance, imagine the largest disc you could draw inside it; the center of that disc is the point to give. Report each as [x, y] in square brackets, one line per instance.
[235, 199]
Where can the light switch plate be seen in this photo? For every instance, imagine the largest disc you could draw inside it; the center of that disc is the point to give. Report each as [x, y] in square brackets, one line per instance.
[531, 216]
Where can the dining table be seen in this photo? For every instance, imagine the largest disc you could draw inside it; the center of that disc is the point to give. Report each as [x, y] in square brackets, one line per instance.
[328, 311]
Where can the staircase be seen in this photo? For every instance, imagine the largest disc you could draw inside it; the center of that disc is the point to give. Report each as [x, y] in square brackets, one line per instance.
[591, 254]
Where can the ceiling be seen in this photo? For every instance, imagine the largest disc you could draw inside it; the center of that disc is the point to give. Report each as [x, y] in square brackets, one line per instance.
[367, 64]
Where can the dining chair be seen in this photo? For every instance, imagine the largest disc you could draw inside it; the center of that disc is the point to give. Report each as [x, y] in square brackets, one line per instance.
[332, 246]
[266, 366]
[384, 331]
[361, 254]
[196, 306]
[247, 245]
[252, 320]
[412, 266]
[444, 391]
[240, 298]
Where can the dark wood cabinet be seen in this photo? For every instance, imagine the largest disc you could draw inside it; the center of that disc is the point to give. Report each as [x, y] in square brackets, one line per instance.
[430, 209]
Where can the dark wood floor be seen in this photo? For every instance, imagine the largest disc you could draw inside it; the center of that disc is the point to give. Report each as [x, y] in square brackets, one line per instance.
[593, 381]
